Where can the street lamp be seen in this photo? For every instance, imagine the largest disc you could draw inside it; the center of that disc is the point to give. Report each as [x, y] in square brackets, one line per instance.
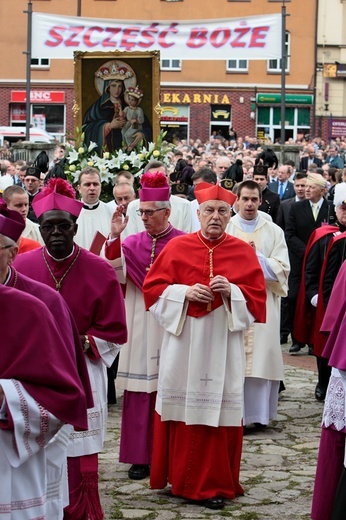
[28, 70]
[283, 70]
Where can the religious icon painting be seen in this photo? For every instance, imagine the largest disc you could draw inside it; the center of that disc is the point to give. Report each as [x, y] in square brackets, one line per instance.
[117, 98]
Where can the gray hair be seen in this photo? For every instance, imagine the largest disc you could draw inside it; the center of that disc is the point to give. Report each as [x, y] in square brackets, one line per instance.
[8, 241]
[162, 204]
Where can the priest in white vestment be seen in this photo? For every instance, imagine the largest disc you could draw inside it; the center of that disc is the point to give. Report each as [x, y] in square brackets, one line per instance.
[95, 215]
[264, 363]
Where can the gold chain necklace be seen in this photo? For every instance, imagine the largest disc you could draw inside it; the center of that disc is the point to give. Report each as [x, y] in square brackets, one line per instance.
[211, 264]
[59, 282]
[153, 247]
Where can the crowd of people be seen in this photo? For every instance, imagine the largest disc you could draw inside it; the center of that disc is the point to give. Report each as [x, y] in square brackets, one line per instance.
[198, 280]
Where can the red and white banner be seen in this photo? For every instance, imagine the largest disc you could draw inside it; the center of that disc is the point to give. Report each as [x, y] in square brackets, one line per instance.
[249, 38]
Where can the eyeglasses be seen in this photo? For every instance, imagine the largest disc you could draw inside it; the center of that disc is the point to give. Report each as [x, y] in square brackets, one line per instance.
[62, 226]
[147, 212]
[6, 247]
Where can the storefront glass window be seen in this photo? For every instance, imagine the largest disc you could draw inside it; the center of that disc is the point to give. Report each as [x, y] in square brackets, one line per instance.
[263, 115]
[52, 117]
[289, 116]
[304, 116]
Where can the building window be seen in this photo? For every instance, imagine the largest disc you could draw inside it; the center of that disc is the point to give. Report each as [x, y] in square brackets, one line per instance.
[42, 63]
[51, 116]
[297, 122]
[170, 64]
[275, 65]
[237, 66]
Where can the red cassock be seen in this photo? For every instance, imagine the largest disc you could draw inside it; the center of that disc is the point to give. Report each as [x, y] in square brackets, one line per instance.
[187, 262]
[305, 313]
[198, 460]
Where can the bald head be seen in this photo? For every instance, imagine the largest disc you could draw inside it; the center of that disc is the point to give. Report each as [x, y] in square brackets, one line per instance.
[124, 194]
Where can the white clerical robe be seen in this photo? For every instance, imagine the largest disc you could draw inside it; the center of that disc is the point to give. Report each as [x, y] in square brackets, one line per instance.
[32, 231]
[92, 220]
[26, 462]
[264, 363]
[140, 356]
[91, 441]
[180, 217]
[202, 362]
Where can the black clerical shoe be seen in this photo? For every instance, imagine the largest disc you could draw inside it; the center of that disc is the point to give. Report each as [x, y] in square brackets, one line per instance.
[215, 503]
[320, 392]
[283, 339]
[311, 350]
[294, 348]
[139, 471]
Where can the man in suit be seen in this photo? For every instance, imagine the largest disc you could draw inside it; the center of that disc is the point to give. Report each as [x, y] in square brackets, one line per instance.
[282, 186]
[304, 217]
[282, 218]
[334, 160]
[299, 186]
[270, 200]
[309, 159]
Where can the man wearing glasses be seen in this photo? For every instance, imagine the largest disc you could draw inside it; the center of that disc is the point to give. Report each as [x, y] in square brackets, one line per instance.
[180, 216]
[139, 361]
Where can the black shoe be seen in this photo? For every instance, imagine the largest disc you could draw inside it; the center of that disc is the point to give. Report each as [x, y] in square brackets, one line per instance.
[311, 350]
[139, 471]
[294, 348]
[320, 392]
[215, 503]
[283, 339]
[282, 387]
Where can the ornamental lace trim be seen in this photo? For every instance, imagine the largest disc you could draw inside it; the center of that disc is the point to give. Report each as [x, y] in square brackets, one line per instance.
[334, 406]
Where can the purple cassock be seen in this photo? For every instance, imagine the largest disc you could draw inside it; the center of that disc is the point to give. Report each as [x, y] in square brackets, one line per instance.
[335, 322]
[90, 289]
[65, 322]
[140, 251]
[33, 353]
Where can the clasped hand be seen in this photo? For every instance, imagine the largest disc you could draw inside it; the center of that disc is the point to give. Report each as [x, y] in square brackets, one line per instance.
[203, 293]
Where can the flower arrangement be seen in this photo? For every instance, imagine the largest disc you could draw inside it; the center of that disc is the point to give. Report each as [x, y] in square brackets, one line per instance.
[109, 164]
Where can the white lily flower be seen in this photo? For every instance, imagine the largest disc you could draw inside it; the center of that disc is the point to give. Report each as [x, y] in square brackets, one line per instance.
[151, 147]
[91, 146]
[73, 156]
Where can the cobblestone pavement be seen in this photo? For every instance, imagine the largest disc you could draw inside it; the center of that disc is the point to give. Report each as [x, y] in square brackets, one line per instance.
[277, 472]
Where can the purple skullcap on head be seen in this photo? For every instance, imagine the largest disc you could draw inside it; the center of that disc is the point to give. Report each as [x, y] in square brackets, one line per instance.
[12, 223]
[155, 187]
[58, 195]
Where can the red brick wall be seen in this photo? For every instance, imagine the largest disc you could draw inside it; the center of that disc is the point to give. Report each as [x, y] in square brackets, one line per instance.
[200, 112]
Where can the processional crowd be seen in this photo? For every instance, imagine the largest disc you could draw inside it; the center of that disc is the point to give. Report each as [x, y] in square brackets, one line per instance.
[179, 301]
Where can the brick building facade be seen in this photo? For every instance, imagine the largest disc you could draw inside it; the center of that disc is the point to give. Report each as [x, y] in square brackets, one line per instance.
[197, 97]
